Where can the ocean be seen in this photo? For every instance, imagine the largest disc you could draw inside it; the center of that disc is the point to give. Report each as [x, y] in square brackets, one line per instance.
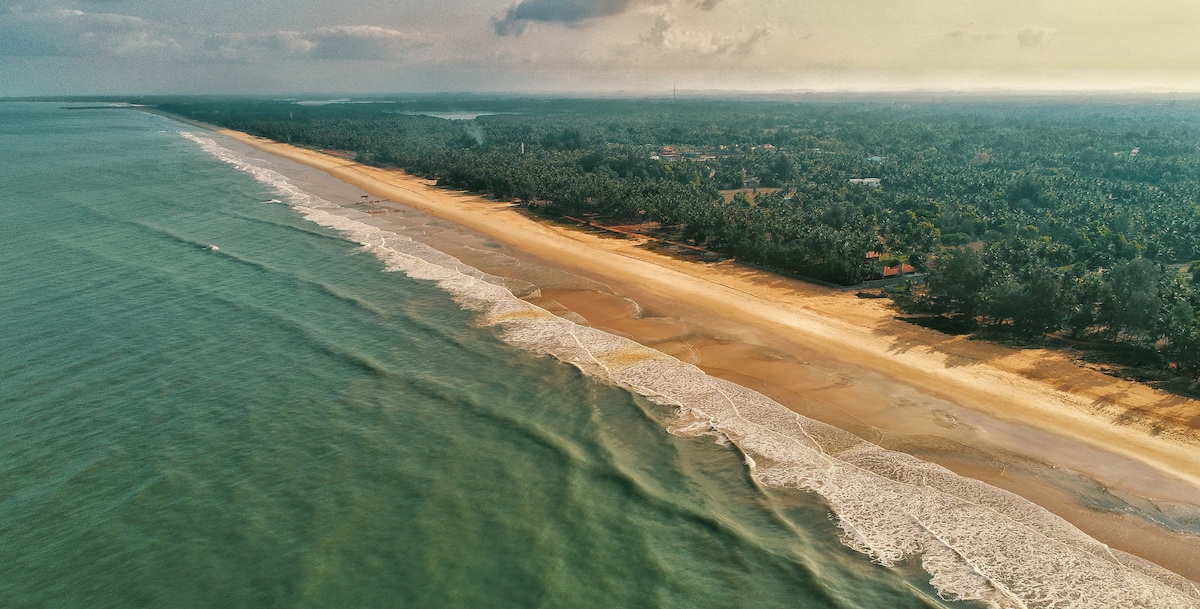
[208, 400]
[222, 385]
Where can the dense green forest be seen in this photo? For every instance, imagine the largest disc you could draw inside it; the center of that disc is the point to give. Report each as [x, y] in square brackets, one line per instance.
[1025, 217]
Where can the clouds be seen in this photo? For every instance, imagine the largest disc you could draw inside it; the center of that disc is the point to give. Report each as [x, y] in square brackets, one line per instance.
[75, 33]
[574, 12]
[594, 45]
[1029, 37]
[666, 37]
[555, 11]
[243, 46]
[363, 42]
[1032, 37]
[342, 43]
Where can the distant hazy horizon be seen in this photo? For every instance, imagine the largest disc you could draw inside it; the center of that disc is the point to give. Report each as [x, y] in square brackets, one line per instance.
[682, 95]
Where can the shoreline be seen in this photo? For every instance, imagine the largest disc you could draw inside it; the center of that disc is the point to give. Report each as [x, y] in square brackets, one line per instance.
[847, 361]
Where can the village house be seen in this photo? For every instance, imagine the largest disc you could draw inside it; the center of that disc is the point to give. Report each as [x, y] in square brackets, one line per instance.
[896, 271]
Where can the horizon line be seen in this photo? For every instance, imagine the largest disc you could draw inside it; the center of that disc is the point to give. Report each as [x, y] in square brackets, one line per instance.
[693, 94]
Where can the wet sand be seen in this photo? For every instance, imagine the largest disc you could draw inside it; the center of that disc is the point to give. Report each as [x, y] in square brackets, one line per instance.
[1119, 460]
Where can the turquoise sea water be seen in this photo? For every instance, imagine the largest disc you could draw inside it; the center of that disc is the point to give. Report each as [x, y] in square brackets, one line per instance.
[276, 422]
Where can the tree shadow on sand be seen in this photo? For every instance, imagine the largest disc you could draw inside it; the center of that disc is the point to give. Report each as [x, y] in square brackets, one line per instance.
[1120, 361]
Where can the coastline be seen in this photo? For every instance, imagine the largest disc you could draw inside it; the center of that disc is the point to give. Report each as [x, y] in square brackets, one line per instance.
[846, 361]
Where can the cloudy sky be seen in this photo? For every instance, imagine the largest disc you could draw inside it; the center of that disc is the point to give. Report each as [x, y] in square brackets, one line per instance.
[594, 46]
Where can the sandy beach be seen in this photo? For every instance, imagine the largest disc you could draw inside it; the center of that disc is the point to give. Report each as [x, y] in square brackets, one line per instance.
[1119, 460]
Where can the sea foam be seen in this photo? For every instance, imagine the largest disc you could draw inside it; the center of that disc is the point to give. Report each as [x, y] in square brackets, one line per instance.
[978, 542]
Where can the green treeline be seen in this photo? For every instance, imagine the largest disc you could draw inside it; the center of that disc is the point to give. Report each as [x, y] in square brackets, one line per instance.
[1028, 217]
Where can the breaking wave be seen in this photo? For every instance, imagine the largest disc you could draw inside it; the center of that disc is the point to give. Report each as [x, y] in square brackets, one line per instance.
[979, 543]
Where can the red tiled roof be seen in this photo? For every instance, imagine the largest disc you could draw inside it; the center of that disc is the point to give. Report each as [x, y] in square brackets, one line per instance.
[892, 271]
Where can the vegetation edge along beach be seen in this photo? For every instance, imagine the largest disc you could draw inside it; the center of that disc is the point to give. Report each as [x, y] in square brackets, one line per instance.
[1067, 223]
[1030, 401]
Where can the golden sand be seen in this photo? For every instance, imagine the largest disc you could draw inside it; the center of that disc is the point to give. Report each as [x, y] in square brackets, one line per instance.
[1014, 418]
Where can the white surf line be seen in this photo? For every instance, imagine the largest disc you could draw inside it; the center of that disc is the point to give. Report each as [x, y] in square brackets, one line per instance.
[585, 350]
[953, 498]
[949, 546]
[501, 308]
